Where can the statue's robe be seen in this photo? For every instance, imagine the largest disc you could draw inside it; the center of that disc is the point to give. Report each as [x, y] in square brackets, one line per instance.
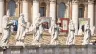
[6, 30]
[87, 35]
[71, 35]
[21, 28]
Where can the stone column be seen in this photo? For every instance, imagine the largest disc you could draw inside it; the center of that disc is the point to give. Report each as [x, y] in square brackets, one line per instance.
[35, 10]
[95, 14]
[47, 8]
[68, 9]
[75, 15]
[53, 10]
[91, 13]
[86, 11]
[25, 10]
[1, 13]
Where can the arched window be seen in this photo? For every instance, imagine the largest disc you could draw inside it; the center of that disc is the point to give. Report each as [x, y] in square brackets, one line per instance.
[42, 9]
[62, 9]
[81, 11]
[12, 7]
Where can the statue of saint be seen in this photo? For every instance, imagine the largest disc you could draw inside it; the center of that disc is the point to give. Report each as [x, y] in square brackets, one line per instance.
[54, 31]
[20, 31]
[38, 33]
[37, 30]
[71, 34]
[87, 35]
[80, 32]
[6, 30]
[26, 29]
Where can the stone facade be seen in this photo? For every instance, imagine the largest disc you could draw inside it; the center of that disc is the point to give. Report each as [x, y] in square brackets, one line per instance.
[73, 9]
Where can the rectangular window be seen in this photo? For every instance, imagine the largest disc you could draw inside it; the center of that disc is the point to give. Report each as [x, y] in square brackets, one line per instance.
[42, 11]
[81, 13]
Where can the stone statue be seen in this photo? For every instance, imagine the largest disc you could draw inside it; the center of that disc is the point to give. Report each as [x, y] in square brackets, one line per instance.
[80, 32]
[87, 35]
[6, 32]
[71, 34]
[37, 30]
[26, 29]
[38, 33]
[54, 31]
[20, 31]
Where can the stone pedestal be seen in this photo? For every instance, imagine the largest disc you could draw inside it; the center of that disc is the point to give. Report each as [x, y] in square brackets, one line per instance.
[54, 42]
[19, 43]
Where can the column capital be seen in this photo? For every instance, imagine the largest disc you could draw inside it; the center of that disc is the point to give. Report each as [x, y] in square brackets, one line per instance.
[67, 4]
[90, 1]
[24, 0]
[35, 0]
[75, 2]
[52, 1]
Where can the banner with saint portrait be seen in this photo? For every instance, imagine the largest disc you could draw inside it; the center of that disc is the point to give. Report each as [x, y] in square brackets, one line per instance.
[64, 24]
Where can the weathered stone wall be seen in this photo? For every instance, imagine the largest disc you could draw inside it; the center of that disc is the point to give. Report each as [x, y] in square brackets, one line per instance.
[49, 49]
